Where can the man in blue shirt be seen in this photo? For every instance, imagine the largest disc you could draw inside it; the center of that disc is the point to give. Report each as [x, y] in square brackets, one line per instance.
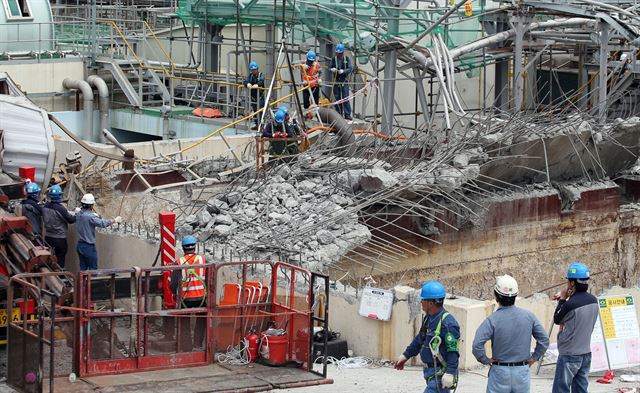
[255, 82]
[437, 342]
[577, 314]
[56, 223]
[86, 223]
[510, 329]
[341, 68]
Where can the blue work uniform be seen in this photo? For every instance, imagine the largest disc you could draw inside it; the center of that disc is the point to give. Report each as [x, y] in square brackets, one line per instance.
[449, 350]
[510, 329]
[340, 84]
[86, 223]
[257, 95]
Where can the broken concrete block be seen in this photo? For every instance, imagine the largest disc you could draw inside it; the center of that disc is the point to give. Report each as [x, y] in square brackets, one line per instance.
[215, 205]
[461, 160]
[283, 171]
[204, 235]
[306, 186]
[290, 203]
[280, 218]
[191, 220]
[350, 179]
[203, 217]
[223, 219]
[222, 230]
[377, 179]
[325, 237]
[184, 230]
[233, 198]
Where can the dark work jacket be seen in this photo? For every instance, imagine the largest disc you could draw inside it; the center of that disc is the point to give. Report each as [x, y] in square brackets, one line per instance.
[33, 211]
[56, 220]
[255, 80]
[344, 64]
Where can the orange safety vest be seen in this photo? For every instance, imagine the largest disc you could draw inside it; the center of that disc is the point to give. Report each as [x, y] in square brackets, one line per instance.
[193, 279]
[311, 74]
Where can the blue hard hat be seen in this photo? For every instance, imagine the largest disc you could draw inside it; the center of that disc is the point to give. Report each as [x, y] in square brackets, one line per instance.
[284, 109]
[311, 55]
[279, 116]
[55, 190]
[578, 271]
[253, 65]
[432, 290]
[340, 48]
[188, 241]
[32, 188]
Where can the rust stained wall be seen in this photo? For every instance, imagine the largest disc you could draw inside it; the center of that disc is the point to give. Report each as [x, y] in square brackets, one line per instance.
[532, 241]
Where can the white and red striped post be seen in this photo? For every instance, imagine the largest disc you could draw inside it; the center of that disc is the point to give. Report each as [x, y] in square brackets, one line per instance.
[168, 254]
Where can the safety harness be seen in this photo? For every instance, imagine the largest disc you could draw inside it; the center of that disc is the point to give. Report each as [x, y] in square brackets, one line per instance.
[344, 66]
[434, 347]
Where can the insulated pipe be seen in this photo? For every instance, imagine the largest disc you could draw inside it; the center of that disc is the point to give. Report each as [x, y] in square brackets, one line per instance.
[499, 37]
[109, 136]
[87, 96]
[103, 93]
[345, 134]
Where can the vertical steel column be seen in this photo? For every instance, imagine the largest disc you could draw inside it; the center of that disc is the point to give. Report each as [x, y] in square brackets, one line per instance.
[422, 96]
[389, 83]
[603, 32]
[501, 93]
[520, 25]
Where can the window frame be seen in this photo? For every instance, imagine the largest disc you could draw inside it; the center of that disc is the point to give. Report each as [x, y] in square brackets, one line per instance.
[11, 17]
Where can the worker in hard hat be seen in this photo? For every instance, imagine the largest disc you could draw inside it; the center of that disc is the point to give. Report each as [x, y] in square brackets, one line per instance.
[509, 329]
[190, 285]
[278, 129]
[56, 223]
[87, 220]
[341, 68]
[32, 209]
[576, 313]
[310, 76]
[437, 342]
[255, 82]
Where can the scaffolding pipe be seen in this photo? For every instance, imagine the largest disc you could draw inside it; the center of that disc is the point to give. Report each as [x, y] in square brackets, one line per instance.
[103, 94]
[87, 97]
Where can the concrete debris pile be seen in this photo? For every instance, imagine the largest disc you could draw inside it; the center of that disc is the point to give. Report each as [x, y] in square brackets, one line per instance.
[296, 219]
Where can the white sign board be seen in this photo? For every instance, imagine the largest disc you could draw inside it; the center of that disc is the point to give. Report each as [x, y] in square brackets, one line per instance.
[376, 303]
[621, 331]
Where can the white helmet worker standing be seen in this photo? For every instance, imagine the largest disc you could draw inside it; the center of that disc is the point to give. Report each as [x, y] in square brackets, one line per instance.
[509, 329]
[86, 223]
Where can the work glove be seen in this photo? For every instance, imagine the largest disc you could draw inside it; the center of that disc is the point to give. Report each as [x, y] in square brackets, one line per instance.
[334, 69]
[319, 81]
[399, 364]
[254, 86]
[249, 85]
[76, 210]
[341, 72]
[447, 381]
[117, 220]
[306, 66]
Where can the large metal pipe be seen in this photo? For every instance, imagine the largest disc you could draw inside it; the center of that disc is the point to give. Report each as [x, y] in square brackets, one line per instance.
[103, 93]
[109, 137]
[87, 97]
[342, 127]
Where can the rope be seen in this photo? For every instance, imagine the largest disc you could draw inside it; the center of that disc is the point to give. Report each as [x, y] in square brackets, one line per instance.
[236, 355]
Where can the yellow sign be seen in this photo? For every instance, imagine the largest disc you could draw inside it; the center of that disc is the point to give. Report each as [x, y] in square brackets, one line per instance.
[15, 316]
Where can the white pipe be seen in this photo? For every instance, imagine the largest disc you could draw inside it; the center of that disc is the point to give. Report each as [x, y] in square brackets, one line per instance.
[499, 37]
[87, 97]
[103, 93]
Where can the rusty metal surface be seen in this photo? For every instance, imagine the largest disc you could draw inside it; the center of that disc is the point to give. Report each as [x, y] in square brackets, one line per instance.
[213, 378]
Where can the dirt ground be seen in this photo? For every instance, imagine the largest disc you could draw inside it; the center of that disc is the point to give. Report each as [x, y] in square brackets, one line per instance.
[388, 380]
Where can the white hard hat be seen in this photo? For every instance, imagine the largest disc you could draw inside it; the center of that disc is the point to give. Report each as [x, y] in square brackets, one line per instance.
[88, 199]
[506, 286]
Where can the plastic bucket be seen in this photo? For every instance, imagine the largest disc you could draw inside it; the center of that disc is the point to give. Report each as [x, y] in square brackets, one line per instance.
[274, 348]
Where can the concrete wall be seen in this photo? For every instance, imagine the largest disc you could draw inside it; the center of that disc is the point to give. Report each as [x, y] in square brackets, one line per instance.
[529, 243]
[387, 340]
[46, 76]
